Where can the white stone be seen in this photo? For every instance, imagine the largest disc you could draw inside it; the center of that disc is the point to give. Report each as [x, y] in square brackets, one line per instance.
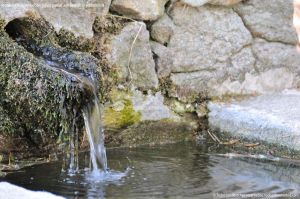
[195, 3]
[272, 118]
[10, 191]
[151, 106]
[147, 10]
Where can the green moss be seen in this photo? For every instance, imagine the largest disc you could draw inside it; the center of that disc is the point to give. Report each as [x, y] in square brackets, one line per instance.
[109, 24]
[2, 23]
[121, 119]
[70, 41]
[37, 100]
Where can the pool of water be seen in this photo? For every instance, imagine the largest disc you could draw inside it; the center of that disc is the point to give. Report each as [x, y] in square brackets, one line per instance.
[172, 171]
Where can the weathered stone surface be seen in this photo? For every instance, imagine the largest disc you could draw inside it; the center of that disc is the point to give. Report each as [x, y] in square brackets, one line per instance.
[275, 55]
[271, 20]
[242, 62]
[148, 10]
[224, 2]
[77, 19]
[151, 107]
[274, 119]
[272, 80]
[11, 191]
[205, 54]
[212, 59]
[202, 44]
[196, 3]
[188, 86]
[162, 29]
[275, 68]
[133, 57]
[163, 59]
[156, 133]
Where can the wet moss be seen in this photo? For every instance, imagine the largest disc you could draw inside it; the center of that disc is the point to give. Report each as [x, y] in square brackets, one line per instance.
[39, 38]
[71, 42]
[2, 24]
[6, 125]
[123, 118]
[43, 86]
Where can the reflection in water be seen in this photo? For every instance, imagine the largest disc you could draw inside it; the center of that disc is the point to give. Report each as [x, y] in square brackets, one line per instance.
[170, 171]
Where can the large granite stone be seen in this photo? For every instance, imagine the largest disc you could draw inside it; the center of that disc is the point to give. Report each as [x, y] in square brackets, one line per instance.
[131, 54]
[274, 119]
[202, 44]
[271, 20]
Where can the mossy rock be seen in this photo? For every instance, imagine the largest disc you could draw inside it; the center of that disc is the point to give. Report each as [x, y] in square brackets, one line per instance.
[70, 41]
[121, 118]
[43, 86]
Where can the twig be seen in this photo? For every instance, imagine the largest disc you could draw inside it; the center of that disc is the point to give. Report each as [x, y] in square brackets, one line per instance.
[214, 137]
[130, 53]
[250, 145]
[231, 142]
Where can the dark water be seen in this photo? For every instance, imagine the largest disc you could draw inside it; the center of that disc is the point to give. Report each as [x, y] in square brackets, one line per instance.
[173, 171]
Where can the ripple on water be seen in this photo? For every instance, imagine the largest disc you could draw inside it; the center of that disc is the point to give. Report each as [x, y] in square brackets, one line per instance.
[174, 171]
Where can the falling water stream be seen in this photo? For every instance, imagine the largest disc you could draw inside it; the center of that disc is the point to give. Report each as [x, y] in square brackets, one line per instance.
[95, 134]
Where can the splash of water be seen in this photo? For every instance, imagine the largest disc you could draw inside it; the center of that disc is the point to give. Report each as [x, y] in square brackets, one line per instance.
[95, 134]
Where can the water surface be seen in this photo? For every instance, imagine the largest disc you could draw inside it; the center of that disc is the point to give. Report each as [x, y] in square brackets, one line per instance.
[172, 171]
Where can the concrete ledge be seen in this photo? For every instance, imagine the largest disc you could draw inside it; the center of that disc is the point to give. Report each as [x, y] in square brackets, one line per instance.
[271, 118]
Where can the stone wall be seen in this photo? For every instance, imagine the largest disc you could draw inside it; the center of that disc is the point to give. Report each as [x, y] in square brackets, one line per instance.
[202, 49]
[162, 60]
